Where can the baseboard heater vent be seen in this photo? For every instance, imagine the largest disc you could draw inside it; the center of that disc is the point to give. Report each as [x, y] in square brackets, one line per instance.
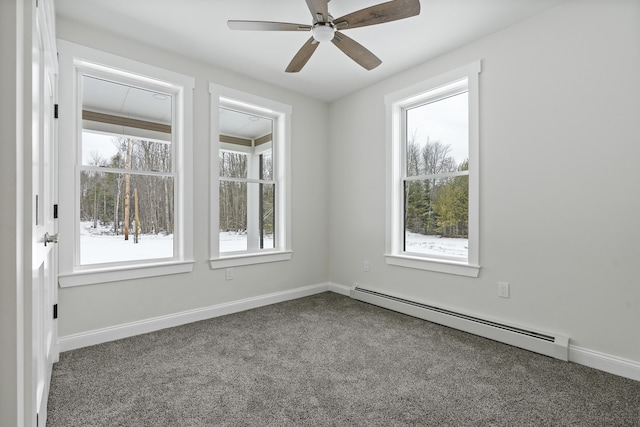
[553, 345]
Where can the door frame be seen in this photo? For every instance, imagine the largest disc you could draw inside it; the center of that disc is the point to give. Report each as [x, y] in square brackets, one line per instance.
[37, 284]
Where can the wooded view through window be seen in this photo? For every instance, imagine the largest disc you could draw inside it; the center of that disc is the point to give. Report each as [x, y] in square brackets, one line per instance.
[126, 173]
[247, 186]
[436, 183]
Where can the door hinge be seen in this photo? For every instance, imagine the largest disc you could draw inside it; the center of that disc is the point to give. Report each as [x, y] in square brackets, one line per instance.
[55, 211]
[55, 311]
[55, 111]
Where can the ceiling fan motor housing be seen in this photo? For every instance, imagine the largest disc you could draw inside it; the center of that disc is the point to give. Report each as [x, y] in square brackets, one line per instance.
[323, 31]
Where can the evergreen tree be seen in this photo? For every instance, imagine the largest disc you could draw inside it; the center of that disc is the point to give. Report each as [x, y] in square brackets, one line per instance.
[452, 206]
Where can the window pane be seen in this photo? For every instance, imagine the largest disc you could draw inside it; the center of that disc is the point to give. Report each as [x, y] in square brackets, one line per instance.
[113, 151]
[436, 213]
[267, 216]
[242, 132]
[99, 149]
[246, 160]
[233, 165]
[124, 124]
[247, 216]
[233, 216]
[105, 211]
[266, 164]
[437, 136]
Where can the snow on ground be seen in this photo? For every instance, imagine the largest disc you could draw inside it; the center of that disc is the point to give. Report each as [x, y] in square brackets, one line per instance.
[436, 245]
[99, 245]
[237, 241]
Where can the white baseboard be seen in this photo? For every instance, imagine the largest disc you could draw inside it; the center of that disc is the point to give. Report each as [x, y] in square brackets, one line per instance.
[605, 362]
[543, 342]
[339, 289]
[112, 333]
[593, 359]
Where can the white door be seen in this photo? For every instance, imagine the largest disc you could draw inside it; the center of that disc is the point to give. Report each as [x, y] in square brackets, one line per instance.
[42, 294]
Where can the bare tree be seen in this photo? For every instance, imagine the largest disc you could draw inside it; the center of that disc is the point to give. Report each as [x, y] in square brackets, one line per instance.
[127, 185]
[436, 158]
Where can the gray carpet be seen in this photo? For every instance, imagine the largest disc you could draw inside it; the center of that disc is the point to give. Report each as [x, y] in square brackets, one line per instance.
[328, 360]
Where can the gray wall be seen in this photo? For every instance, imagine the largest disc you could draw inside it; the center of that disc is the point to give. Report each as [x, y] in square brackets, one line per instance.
[559, 150]
[90, 307]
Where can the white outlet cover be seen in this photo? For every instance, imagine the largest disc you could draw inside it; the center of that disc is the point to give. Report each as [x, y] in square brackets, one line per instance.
[503, 289]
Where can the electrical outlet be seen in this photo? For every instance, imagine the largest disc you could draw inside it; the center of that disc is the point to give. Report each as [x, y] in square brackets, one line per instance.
[228, 273]
[366, 266]
[503, 289]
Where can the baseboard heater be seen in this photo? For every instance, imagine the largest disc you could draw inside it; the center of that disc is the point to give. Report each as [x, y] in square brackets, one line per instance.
[552, 345]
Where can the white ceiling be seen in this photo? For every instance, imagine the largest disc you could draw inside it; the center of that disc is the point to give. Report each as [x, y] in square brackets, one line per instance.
[198, 29]
[103, 96]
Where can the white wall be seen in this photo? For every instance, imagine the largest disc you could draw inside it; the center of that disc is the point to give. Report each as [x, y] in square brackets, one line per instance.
[559, 200]
[91, 307]
[559, 146]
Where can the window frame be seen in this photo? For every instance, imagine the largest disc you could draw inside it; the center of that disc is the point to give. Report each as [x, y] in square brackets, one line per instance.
[224, 97]
[395, 104]
[77, 61]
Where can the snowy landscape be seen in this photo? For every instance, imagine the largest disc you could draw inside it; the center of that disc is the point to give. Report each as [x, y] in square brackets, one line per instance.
[231, 241]
[100, 245]
[436, 245]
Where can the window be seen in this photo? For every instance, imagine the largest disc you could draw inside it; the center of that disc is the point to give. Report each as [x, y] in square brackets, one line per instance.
[126, 173]
[432, 189]
[130, 132]
[250, 185]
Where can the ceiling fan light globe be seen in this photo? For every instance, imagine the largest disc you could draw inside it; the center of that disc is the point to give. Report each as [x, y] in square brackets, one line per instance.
[323, 33]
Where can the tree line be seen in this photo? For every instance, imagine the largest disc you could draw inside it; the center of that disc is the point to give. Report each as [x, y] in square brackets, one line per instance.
[124, 202]
[233, 196]
[435, 206]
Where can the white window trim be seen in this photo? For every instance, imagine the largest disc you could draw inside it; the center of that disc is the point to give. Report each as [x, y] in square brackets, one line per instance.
[72, 57]
[394, 104]
[282, 175]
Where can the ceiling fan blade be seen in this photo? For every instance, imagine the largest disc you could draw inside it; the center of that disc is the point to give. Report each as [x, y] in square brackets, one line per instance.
[266, 26]
[356, 51]
[378, 14]
[302, 56]
[319, 10]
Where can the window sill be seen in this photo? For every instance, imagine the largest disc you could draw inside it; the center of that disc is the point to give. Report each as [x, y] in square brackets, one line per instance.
[114, 274]
[249, 259]
[430, 264]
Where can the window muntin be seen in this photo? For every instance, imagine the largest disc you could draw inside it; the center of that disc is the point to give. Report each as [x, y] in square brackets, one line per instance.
[250, 180]
[432, 186]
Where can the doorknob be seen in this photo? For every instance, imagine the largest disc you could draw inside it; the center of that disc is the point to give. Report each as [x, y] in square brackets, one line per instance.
[50, 238]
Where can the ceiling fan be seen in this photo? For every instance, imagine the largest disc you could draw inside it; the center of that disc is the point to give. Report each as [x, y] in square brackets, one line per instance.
[325, 28]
